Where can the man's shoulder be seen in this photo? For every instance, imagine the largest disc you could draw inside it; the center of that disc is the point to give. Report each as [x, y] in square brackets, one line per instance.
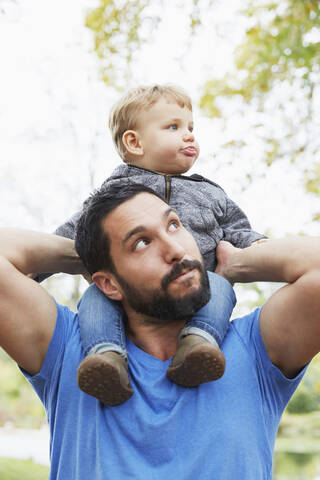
[66, 330]
[246, 328]
[63, 351]
[67, 326]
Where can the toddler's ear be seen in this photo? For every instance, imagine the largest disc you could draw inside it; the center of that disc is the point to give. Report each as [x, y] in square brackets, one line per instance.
[132, 143]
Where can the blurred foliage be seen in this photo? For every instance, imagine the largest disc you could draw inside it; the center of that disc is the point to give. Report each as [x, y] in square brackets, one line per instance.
[297, 447]
[306, 426]
[18, 403]
[295, 466]
[277, 71]
[302, 402]
[122, 27]
[307, 396]
[11, 469]
[313, 180]
[117, 35]
[277, 47]
[280, 46]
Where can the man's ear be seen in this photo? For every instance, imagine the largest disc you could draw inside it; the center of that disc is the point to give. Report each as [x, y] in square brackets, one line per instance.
[132, 142]
[108, 285]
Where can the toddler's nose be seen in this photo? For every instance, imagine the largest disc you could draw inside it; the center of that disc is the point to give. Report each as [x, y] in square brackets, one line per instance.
[188, 136]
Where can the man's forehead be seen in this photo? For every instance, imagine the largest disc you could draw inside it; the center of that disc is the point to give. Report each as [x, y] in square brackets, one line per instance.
[143, 209]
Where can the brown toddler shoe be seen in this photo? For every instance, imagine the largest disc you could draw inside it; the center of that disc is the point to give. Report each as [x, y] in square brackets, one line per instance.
[105, 377]
[196, 361]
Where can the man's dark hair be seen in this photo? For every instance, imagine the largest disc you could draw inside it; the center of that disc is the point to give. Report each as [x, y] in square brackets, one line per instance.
[91, 242]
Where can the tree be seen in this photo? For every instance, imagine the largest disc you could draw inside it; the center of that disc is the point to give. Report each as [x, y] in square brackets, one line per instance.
[116, 27]
[122, 27]
[277, 70]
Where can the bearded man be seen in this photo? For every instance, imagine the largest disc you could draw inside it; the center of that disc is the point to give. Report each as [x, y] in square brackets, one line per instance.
[141, 255]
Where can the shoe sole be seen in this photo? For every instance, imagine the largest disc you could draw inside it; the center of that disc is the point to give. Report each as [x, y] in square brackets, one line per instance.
[201, 365]
[101, 380]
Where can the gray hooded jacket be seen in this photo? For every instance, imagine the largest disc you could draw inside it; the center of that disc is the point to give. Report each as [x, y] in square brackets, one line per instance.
[203, 207]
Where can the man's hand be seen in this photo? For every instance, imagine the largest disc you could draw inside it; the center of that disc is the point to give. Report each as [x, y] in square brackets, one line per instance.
[226, 256]
[290, 319]
[229, 260]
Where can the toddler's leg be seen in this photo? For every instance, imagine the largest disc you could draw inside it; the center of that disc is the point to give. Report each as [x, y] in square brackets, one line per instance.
[103, 373]
[199, 358]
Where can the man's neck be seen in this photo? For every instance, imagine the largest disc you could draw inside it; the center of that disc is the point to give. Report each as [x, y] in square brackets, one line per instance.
[157, 339]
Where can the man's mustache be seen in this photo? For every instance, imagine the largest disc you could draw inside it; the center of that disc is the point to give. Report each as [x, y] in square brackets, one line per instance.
[178, 268]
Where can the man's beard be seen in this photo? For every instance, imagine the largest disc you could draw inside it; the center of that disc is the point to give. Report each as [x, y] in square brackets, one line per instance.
[160, 304]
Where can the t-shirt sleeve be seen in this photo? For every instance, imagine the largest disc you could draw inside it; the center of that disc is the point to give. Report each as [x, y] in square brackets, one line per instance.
[275, 388]
[46, 381]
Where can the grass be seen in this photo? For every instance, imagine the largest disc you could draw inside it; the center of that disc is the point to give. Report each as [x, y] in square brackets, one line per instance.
[11, 469]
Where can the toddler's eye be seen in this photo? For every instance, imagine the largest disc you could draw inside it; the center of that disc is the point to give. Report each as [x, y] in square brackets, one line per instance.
[173, 127]
[140, 244]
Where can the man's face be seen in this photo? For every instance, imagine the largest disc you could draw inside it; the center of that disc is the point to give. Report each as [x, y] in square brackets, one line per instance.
[167, 139]
[159, 267]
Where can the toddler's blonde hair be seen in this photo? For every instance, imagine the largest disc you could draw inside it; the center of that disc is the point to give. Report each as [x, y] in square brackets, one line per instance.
[124, 114]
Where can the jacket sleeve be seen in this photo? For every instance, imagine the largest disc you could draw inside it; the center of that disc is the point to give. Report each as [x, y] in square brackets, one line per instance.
[236, 227]
[68, 229]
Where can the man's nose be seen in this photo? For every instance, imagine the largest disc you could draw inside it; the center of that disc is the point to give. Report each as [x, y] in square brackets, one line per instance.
[172, 250]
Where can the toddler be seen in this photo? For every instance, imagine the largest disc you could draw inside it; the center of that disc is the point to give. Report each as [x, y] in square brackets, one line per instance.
[152, 129]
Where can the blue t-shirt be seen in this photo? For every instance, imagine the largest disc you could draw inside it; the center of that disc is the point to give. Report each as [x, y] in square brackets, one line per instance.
[222, 430]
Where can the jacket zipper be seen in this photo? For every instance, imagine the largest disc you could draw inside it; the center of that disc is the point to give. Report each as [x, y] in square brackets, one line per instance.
[168, 187]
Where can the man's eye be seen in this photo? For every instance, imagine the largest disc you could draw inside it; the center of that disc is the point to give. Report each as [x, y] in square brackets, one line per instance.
[140, 244]
[173, 127]
[174, 225]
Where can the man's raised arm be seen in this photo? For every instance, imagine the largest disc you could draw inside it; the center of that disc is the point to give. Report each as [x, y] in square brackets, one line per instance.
[290, 319]
[27, 311]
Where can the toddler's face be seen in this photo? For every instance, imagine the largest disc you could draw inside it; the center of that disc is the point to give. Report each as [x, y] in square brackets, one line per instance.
[166, 135]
